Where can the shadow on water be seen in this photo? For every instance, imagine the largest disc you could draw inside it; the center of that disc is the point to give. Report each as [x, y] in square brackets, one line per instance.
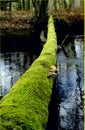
[66, 105]
[53, 120]
[20, 43]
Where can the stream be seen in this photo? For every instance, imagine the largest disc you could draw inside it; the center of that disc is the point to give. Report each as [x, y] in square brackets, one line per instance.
[66, 105]
[71, 86]
[12, 66]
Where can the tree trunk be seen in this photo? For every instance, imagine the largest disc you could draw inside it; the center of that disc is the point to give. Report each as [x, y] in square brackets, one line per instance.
[55, 5]
[69, 4]
[31, 6]
[22, 6]
[61, 4]
[82, 3]
[65, 4]
[77, 3]
[43, 12]
[10, 5]
[26, 4]
[40, 7]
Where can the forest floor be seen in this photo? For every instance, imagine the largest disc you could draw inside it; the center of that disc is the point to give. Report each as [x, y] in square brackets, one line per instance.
[23, 22]
[24, 19]
[15, 19]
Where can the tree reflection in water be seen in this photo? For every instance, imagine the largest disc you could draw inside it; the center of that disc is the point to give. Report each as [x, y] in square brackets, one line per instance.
[12, 65]
[68, 95]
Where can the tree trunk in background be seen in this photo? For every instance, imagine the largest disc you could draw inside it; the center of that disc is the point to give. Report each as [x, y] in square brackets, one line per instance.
[43, 12]
[77, 3]
[40, 7]
[36, 4]
[61, 4]
[70, 4]
[31, 6]
[27, 4]
[55, 4]
[10, 6]
[50, 5]
[82, 3]
[22, 5]
[65, 4]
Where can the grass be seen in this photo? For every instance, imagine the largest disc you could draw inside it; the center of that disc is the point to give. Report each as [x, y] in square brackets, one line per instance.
[25, 107]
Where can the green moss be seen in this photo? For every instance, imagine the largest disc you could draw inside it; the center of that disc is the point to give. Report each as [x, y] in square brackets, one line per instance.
[25, 107]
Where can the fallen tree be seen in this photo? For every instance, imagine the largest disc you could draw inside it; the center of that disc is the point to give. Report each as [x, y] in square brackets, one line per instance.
[25, 107]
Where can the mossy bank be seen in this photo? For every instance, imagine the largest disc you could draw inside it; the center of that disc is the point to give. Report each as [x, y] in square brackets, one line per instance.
[25, 107]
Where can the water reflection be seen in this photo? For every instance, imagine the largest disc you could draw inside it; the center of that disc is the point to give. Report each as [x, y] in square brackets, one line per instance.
[66, 105]
[71, 86]
[79, 48]
[12, 65]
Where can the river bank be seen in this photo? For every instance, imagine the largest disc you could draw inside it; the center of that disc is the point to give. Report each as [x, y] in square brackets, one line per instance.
[23, 22]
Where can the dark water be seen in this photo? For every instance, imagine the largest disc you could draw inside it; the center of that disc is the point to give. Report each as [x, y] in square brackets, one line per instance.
[71, 86]
[12, 65]
[66, 105]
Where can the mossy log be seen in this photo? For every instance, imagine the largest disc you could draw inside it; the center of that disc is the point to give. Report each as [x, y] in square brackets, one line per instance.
[25, 107]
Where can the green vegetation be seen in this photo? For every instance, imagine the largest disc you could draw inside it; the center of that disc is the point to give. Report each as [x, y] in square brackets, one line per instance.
[25, 107]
